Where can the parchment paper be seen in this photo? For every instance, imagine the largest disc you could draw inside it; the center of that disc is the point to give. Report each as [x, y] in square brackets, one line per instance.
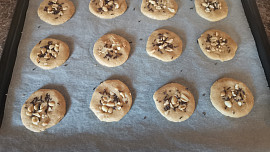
[143, 128]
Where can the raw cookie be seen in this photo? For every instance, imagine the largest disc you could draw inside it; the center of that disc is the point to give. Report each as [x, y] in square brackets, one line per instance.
[231, 97]
[111, 101]
[43, 109]
[111, 50]
[56, 12]
[49, 53]
[212, 10]
[107, 9]
[174, 102]
[159, 9]
[164, 45]
[217, 45]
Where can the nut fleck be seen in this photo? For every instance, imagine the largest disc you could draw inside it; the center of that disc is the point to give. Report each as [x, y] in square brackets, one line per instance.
[211, 5]
[35, 120]
[110, 101]
[228, 104]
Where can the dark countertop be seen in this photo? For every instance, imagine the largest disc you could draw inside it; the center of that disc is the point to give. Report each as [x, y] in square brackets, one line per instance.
[7, 9]
[264, 8]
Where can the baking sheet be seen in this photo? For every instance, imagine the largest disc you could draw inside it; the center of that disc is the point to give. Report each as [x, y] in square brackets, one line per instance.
[143, 128]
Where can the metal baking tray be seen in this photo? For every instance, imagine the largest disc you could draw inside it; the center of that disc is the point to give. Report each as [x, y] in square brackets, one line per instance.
[10, 50]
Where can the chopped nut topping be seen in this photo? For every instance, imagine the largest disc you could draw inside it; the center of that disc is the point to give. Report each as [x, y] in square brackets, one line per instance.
[107, 5]
[110, 101]
[176, 101]
[184, 98]
[233, 95]
[49, 51]
[228, 104]
[55, 8]
[211, 5]
[111, 50]
[51, 103]
[239, 103]
[171, 10]
[39, 108]
[36, 114]
[44, 124]
[163, 43]
[35, 120]
[28, 113]
[30, 108]
[216, 44]
[159, 5]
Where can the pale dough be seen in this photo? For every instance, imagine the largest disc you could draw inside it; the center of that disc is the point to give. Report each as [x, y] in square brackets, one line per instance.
[212, 10]
[217, 45]
[174, 102]
[49, 53]
[111, 50]
[56, 12]
[43, 109]
[159, 9]
[164, 45]
[107, 9]
[111, 101]
[231, 97]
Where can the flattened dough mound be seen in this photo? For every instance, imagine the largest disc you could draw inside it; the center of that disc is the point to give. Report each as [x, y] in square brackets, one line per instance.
[174, 102]
[56, 12]
[43, 109]
[217, 45]
[49, 53]
[164, 45]
[159, 9]
[107, 9]
[231, 97]
[111, 101]
[111, 50]
[212, 10]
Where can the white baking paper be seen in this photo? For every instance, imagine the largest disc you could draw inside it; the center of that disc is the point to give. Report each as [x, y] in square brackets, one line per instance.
[143, 128]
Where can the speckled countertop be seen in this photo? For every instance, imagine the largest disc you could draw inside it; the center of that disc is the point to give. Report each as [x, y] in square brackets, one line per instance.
[7, 9]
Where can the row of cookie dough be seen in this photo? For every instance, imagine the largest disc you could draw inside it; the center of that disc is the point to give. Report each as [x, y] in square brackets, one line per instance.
[57, 12]
[112, 50]
[112, 100]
